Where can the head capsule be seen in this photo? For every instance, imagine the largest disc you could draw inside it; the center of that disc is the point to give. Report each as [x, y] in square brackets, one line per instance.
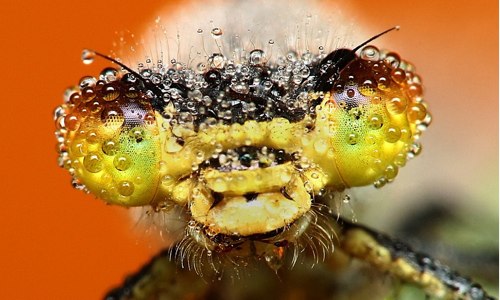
[375, 113]
[109, 139]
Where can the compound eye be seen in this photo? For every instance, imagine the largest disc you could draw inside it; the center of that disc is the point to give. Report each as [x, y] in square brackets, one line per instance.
[109, 139]
[377, 107]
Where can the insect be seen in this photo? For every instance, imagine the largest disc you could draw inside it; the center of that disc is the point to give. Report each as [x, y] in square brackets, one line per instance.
[252, 156]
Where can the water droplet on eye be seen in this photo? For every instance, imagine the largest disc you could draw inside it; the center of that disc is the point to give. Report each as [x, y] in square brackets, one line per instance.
[149, 118]
[122, 162]
[216, 32]
[350, 93]
[375, 122]
[391, 172]
[79, 149]
[400, 160]
[71, 122]
[380, 183]
[417, 112]
[368, 88]
[93, 162]
[352, 139]
[392, 59]
[256, 57]
[88, 56]
[75, 98]
[396, 105]
[87, 81]
[392, 134]
[382, 83]
[110, 92]
[416, 149]
[415, 90]
[398, 75]
[88, 94]
[92, 137]
[137, 134]
[370, 53]
[113, 116]
[108, 75]
[125, 188]
[109, 147]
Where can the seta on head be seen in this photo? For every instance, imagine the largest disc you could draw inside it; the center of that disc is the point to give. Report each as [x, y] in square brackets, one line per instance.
[246, 147]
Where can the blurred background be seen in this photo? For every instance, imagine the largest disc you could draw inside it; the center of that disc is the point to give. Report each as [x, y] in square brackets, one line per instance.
[60, 243]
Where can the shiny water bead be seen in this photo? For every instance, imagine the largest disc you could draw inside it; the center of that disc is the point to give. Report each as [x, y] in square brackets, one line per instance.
[112, 116]
[256, 57]
[108, 75]
[392, 134]
[391, 172]
[415, 90]
[110, 147]
[398, 75]
[78, 148]
[93, 162]
[396, 105]
[110, 92]
[71, 122]
[370, 53]
[417, 112]
[352, 139]
[122, 162]
[75, 98]
[392, 59]
[125, 188]
[137, 134]
[375, 122]
[88, 56]
[216, 32]
[88, 94]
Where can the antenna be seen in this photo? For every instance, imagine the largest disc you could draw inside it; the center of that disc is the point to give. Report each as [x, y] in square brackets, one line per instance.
[375, 37]
[157, 91]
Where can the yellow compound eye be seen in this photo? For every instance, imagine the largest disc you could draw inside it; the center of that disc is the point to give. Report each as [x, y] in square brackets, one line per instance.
[376, 112]
[109, 139]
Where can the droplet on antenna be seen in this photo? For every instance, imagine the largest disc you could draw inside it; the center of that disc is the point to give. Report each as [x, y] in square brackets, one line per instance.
[88, 56]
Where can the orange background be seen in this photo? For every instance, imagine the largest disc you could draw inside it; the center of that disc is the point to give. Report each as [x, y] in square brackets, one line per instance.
[58, 243]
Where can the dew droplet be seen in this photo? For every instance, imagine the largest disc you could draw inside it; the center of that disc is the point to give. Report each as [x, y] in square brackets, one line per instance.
[93, 162]
[216, 32]
[256, 57]
[125, 188]
[352, 139]
[370, 53]
[88, 56]
[392, 134]
[71, 122]
[109, 147]
[398, 75]
[392, 59]
[396, 105]
[391, 172]
[417, 112]
[122, 162]
[375, 122]
[110, 92]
